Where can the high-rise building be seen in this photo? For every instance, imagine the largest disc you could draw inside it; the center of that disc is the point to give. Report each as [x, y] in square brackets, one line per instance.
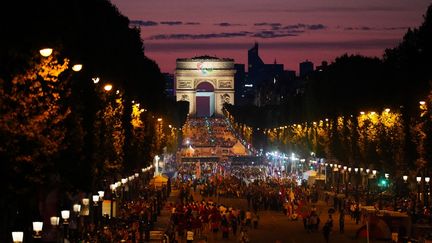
[169, 85]
[306, 68]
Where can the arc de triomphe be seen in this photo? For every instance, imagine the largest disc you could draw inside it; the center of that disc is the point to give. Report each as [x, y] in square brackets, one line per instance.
[206, 83]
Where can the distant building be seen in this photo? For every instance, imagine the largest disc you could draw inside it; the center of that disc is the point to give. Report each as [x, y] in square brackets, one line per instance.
[169, 85]
[306, 68]
[244, 91]
[206, 82]
[322, 67]
[268, 82]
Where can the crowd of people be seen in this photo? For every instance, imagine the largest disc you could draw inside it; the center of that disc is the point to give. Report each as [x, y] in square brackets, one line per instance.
[203, 132]
[193, 218]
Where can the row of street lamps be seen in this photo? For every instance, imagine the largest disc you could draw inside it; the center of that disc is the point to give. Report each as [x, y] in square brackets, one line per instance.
[79, 210]
[425, 181]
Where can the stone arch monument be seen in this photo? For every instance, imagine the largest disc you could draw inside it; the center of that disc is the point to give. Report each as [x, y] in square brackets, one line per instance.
[206, 83]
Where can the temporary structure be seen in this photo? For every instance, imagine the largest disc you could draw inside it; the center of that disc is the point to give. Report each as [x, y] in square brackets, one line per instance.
[159, 181]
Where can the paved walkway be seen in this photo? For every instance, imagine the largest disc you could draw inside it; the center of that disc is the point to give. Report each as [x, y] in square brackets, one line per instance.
[273, 226]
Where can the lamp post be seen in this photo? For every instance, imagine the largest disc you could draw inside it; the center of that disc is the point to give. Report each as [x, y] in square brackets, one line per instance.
[37, 229]
[427, 191]
[367, 193]
[77, 209]
[95, 209]
[418, 179]
[55, 221]
[65, 214]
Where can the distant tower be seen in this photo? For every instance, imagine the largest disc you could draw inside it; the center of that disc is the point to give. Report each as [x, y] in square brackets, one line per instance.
[306, 67]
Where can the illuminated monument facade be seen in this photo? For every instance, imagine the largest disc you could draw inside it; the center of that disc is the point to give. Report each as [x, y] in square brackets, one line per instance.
[206, 83]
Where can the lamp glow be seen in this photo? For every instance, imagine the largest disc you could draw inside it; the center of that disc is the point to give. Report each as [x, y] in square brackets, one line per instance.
[427, 179]
[65, 214]
[55, 221]
[108, 87]
[76, 208]
[95, 199]
[418, 178]
[77, 67]
[17, 236]
[405, 178]
[46, 52]
[37, 228]
[85, 201]
[101, 194]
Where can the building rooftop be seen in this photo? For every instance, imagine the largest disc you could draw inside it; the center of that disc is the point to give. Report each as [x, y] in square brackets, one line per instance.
[205, 57]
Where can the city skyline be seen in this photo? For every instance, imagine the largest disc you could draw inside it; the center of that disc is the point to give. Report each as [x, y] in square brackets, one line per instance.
[287, 31]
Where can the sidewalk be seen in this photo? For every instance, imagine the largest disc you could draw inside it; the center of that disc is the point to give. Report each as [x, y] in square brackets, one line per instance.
[163, 221]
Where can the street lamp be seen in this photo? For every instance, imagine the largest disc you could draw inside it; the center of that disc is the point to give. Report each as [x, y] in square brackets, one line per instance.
[37, 228]
[108, 87]
[76, 208]
[405, 178]
[101, 195]
[55, 221]
[95, 199]
[427, 188]
[65, 214]
[46, 52]
[77, 67]
[418, 179]
[17, 236]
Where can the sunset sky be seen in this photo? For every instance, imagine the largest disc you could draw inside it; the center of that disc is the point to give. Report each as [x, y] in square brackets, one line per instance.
[289, 31]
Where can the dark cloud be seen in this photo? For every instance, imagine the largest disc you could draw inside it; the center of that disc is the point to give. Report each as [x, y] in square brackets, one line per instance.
[315, 26]
[271, 30]
[347, 9]
[171, 22]
[286, 45]
[305, 26]
[192, 23]
[225, 24]
[367, 28]
[267, 24]
[199, 36]
[273, 34]
[143, 23]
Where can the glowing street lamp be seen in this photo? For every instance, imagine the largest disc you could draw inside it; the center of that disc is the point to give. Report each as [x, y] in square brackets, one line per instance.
[405, 178]
[17, 237]
[77, 67]
[76, 208]
[46, 52]
[101, 194]
[108, 87]
[96, 80]
[37, 228]
[55, 221]
[95, 199]
[65, 214]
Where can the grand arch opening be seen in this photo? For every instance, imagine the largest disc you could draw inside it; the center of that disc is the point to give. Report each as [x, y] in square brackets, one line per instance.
[204, 100]
[206, 83]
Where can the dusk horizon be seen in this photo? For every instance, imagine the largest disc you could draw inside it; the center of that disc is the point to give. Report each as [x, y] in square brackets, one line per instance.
[287, 32]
